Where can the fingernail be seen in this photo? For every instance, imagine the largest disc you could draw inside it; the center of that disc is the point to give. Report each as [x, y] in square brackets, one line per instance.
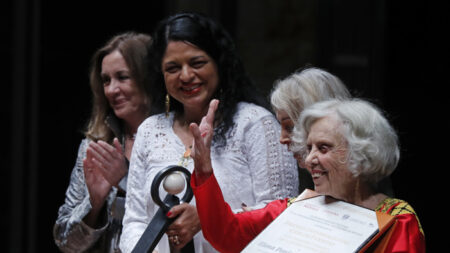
[203, 134]
[169, 213]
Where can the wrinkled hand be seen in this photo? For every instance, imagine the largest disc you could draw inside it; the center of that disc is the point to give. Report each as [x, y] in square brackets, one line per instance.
[186, 225]
[201, 148]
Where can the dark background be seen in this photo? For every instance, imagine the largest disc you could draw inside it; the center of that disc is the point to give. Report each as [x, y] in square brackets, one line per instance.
[393, 53]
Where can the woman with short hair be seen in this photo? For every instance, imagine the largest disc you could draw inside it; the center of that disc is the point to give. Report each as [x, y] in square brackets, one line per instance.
[347, 146]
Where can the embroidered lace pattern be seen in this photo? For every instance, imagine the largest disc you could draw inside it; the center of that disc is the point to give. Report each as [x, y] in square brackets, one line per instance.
[252, 168]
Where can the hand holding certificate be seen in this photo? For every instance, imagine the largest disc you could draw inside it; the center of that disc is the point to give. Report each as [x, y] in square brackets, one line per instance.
[319, 224]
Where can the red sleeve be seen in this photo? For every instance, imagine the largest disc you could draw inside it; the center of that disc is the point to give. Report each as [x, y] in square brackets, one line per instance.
[226, 231]
[406, 237]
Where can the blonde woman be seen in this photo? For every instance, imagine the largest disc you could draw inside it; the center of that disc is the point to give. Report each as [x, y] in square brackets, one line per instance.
[91, 217]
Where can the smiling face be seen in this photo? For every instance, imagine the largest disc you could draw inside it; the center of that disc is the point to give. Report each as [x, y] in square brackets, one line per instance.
[190, 75]
[120, 88]
[327, 159]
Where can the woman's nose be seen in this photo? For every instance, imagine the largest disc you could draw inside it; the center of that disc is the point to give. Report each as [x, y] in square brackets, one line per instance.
[187, 74]
[311, 158]
[113, 87]
[285, 138]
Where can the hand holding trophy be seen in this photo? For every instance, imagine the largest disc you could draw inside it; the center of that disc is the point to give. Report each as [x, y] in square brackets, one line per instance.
[173, 183]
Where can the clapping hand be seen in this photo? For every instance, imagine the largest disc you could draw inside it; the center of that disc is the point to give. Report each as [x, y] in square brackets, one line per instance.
[104, 167]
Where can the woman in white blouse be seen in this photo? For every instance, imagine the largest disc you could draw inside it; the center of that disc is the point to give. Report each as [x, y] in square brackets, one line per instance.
[196, 61]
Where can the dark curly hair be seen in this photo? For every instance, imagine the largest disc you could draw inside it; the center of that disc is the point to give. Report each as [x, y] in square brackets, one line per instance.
[234, 84]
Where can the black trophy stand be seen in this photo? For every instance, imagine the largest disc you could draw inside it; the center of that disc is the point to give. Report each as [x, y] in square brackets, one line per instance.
[158, 225]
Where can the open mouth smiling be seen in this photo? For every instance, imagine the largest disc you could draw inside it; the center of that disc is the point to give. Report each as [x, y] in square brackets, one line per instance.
[316, 174]
[190, 89]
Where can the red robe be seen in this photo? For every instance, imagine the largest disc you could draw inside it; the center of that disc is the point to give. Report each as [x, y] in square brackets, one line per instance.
[230, 232]
[408, 235]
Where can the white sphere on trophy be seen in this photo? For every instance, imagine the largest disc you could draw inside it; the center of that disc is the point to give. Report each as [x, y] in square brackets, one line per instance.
[174, 183]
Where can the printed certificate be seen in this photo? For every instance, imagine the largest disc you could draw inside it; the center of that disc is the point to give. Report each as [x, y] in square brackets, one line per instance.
[318, 224]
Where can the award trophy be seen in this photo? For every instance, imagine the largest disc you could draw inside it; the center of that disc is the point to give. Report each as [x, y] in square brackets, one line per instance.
[173, 183]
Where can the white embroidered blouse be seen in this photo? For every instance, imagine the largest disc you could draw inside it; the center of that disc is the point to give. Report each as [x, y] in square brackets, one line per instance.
[252, 168]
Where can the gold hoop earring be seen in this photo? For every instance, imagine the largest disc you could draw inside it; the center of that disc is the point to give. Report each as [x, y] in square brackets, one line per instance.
[167, 105]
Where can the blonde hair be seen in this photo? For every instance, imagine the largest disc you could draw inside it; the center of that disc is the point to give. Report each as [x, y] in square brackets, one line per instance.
[303, 88]
[133, 48]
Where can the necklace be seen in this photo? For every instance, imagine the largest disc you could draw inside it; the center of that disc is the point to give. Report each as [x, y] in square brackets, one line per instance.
[184, 160]
[181, 129]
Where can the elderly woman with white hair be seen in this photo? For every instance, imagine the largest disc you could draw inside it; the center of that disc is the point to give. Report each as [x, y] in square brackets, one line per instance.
[293, 93]
[303, 88]
[347, 146]
[299, 90]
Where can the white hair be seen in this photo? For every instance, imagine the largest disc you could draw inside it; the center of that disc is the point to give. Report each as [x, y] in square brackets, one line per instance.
[373, 149]
[301, 89]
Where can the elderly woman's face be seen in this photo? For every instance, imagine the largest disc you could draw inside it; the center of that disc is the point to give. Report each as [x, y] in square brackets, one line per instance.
[287, 126]
[327, 158]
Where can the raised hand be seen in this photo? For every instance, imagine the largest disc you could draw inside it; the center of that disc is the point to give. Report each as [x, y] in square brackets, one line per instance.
[104, 166]
[110, 160]
[201, 148]
[98, 188]
[97, 185]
